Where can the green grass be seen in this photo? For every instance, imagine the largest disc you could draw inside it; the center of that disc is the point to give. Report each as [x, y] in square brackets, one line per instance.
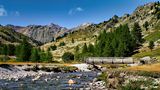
[136, 85]
[153, 53]
[103, 77]
[153, 36]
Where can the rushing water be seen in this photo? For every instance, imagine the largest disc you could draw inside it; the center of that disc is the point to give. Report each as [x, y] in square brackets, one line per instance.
[57, 81]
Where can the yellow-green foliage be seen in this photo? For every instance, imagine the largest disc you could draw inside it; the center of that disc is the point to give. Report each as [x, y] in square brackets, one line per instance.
[153, 53]
[153, 36]
[103, 77]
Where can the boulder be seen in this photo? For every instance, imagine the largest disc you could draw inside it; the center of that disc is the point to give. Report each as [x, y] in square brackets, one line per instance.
[145, 60]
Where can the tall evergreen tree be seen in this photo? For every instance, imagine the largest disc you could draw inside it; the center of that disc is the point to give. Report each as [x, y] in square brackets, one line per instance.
[11, 49]
[43, 57]
[100, 44]
[91, 48]
[17, 52]
[25, 51]
[35, 55]
[84, 49]
[108, 49]
[49, 56]
[123, 40]
[137, 33]
[5, 50]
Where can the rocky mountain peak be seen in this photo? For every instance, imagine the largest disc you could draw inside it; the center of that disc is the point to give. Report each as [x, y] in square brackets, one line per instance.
[43, 33]
[82, 26]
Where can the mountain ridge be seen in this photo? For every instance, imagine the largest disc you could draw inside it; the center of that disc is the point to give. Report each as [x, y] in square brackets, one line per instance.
[146, 13]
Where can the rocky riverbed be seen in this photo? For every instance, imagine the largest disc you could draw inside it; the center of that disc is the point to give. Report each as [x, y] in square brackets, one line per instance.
[37, 77]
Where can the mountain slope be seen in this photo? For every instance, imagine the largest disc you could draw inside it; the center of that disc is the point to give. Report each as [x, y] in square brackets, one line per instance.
[149, 13]
[43, 34]
[10, 36]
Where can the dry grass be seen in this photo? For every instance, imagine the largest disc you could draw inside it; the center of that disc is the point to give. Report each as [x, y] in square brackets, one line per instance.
[31, 63]
[150, 68]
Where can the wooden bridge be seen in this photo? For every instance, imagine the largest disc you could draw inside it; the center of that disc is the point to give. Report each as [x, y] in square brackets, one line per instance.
[109, 60]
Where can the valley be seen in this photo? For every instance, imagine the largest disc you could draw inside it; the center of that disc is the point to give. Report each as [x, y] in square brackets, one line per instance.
[51, 56]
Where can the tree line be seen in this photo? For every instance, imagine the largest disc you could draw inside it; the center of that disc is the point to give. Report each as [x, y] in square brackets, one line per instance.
[25, 52]
[121, 42]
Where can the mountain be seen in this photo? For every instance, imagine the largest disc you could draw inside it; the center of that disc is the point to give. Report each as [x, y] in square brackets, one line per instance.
[10, 36]
[82, 26]
[43, 34]
[148, 13]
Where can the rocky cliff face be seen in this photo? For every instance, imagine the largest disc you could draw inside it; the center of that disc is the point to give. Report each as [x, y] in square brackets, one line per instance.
[43, 34]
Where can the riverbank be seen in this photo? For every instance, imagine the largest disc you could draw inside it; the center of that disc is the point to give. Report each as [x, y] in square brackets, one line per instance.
[31, 76]
[9, 71]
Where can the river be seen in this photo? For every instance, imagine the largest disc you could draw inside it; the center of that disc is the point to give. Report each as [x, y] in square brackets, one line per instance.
[55, 81]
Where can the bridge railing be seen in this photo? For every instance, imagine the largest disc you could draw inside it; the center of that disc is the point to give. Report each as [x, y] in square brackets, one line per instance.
[109, 60]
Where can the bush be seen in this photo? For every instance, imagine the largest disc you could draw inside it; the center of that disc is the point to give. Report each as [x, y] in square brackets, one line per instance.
[151, 45]
[62, 44]
[102, 77]
[136, 85]
[68, 56]
[53, 47]
[4, 58]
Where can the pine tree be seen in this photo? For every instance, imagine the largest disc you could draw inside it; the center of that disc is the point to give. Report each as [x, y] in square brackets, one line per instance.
[151, 45]
[25, 51]
[85, 49]
[127, 41]
[137, 33]
[49, 56]
[35, 55]
[11, 49]
[5, 50]
[108, 50]
[17, 52]
[121, 51]
[91, 48]
[100, 44]
[43, 57]
[145, 25]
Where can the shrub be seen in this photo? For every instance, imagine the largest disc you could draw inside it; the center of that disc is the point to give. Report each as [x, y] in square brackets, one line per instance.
[151, 45]
[53, 47]
[68, 56]
[102, 77]
[4, 58]
[62, 44]
[136, 85]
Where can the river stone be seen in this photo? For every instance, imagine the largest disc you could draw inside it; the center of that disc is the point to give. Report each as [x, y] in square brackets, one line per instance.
[112, 83]
[145, 60]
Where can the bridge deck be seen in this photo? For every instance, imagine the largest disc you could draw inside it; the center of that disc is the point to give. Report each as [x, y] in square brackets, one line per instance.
[109, 60]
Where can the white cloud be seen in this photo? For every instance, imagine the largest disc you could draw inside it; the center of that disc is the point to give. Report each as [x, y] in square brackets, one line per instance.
[75, 10]
[3, 11]
[79, 9]
[17, 13]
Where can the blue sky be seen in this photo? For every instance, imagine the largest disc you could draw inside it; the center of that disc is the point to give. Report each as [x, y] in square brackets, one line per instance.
[67, 13]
